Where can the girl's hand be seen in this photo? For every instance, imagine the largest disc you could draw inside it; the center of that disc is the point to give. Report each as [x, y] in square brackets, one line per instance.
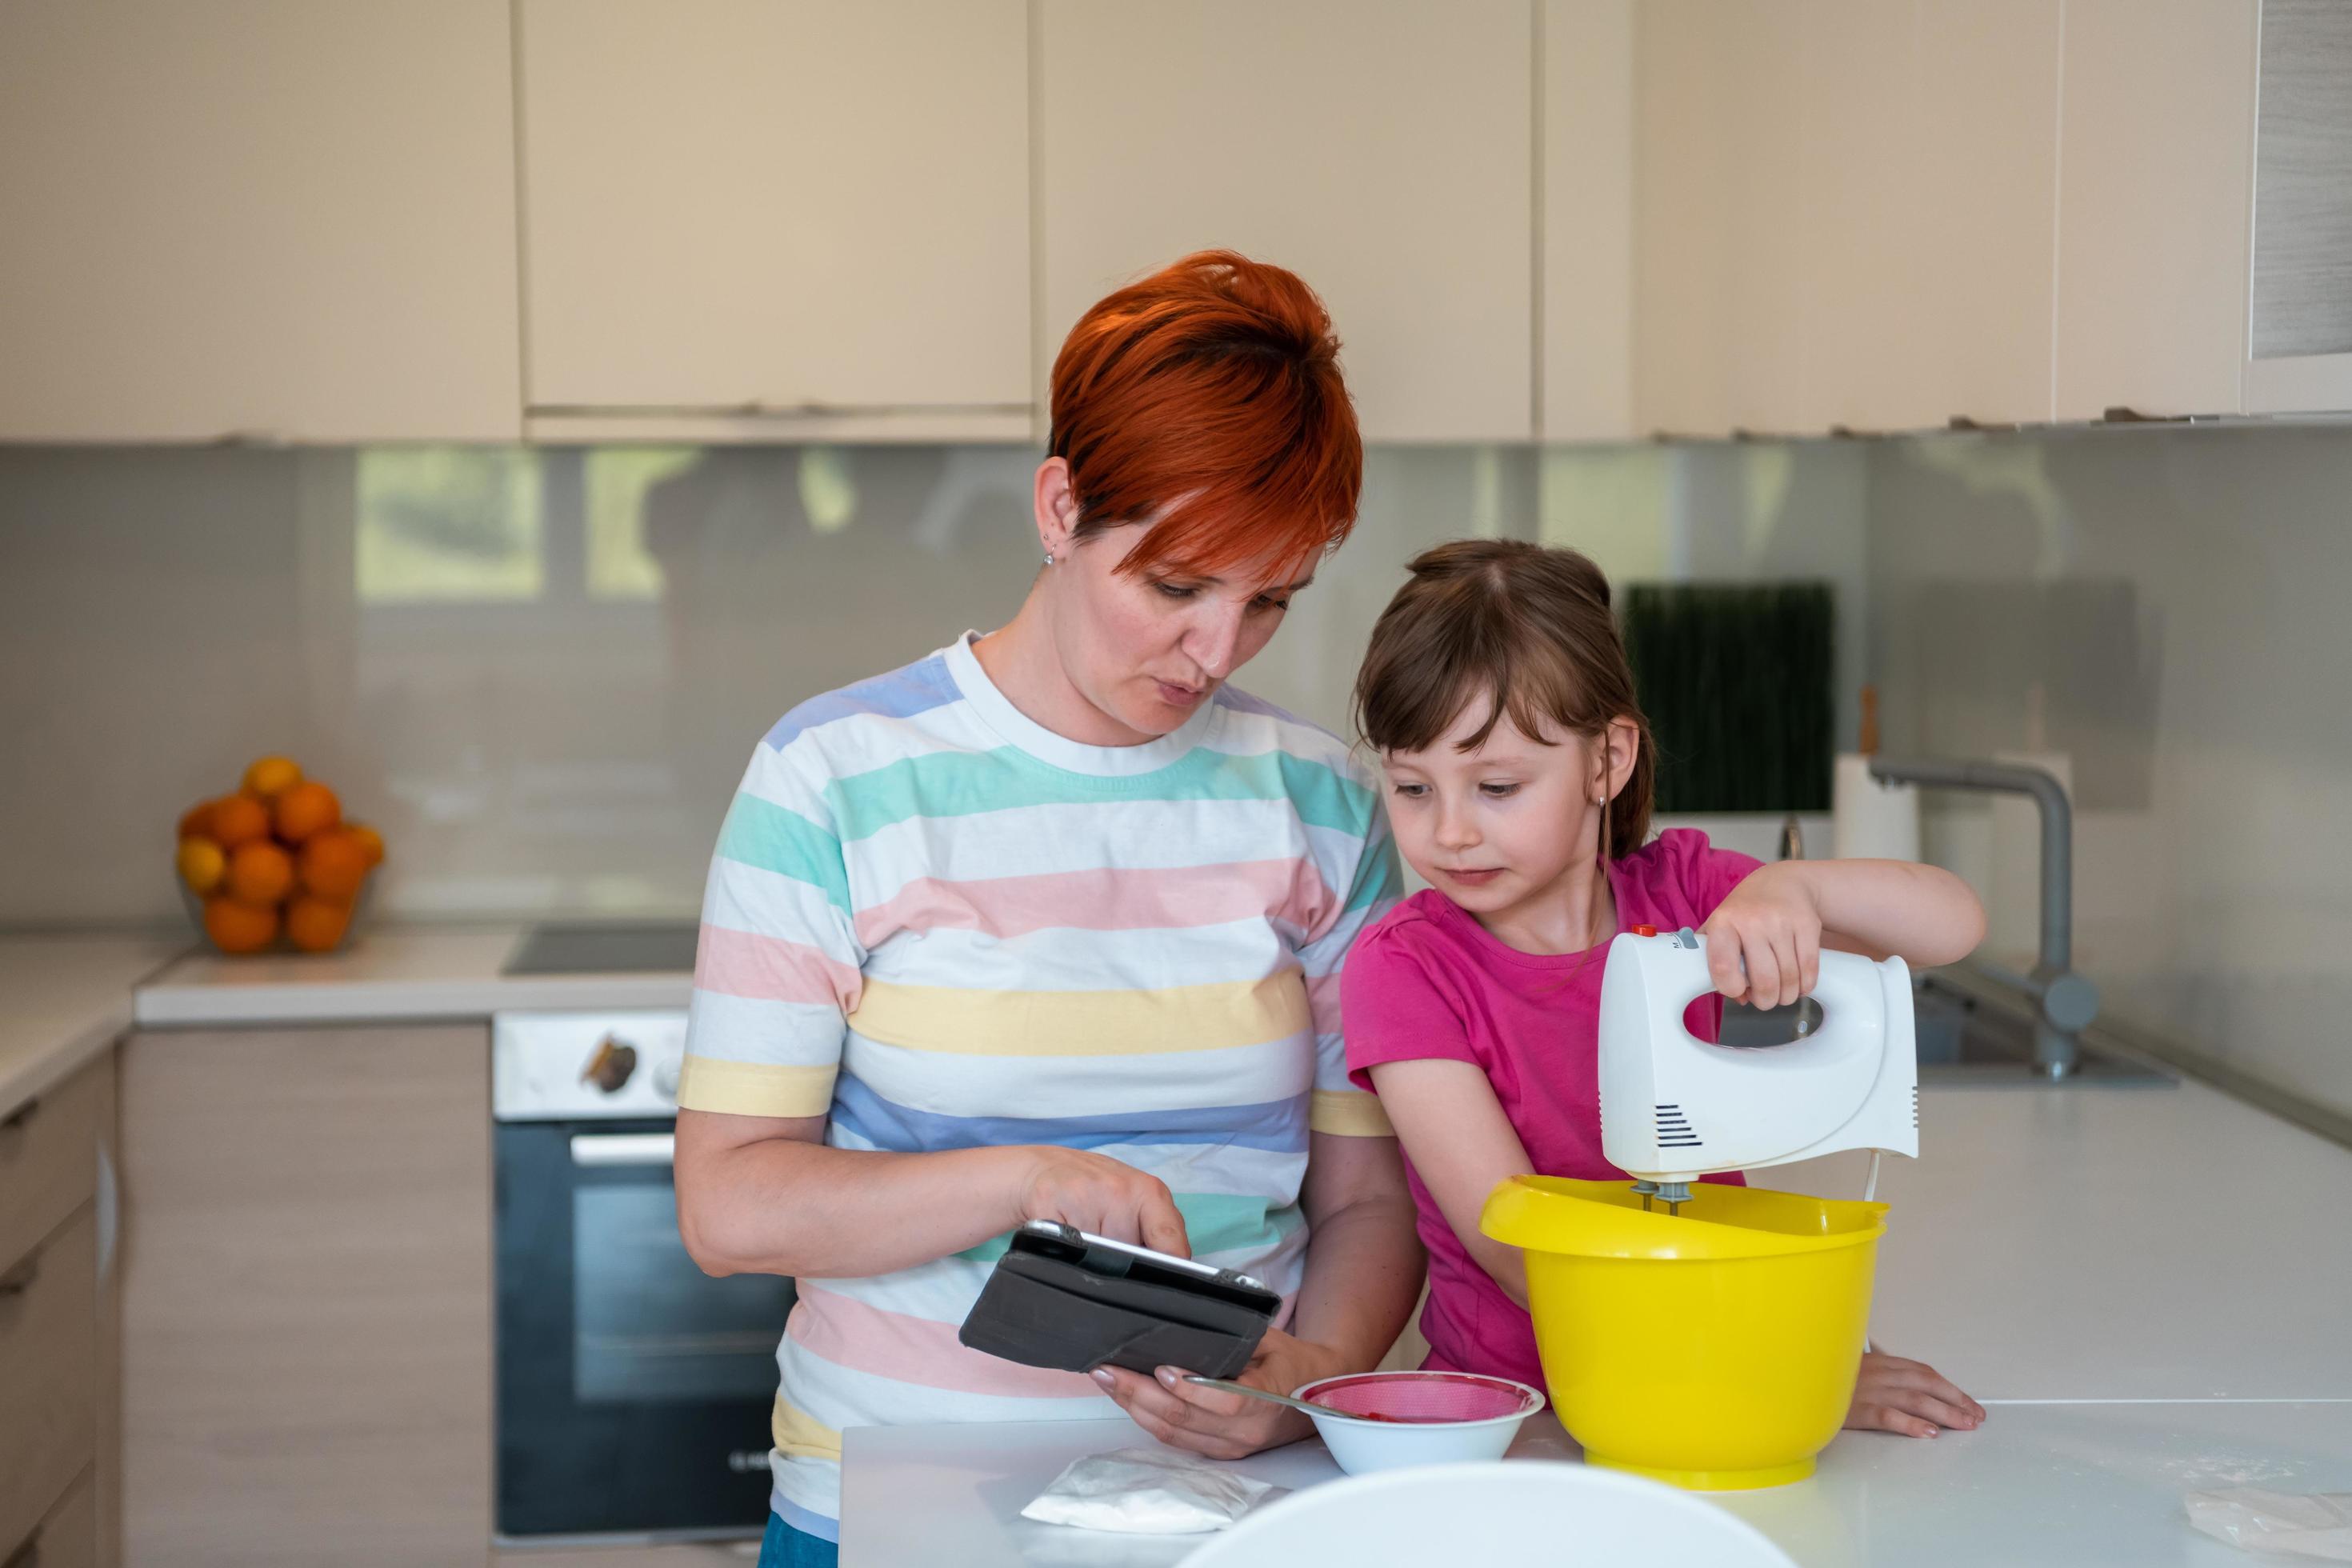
[1910, 1397]
[1220, 1424]
[1771, 924]
[1097, 1194]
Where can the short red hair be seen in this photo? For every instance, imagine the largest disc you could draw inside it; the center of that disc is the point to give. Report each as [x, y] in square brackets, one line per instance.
[1208, 396]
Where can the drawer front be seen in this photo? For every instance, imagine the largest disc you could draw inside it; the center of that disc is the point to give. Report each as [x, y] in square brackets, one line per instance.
[69, 1537]
[48, 1159]
[48, 1374]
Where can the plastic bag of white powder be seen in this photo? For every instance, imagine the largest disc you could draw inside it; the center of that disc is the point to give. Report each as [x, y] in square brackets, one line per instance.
[1148, 1492]
[2310, 1525]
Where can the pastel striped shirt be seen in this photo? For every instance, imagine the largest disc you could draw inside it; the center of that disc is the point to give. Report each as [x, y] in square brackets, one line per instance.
[942, 926]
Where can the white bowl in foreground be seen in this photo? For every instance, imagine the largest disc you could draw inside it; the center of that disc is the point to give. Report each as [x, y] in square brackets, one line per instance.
[1387, 1420]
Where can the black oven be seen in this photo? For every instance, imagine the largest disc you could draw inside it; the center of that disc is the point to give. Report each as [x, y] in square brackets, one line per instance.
[633, 1390]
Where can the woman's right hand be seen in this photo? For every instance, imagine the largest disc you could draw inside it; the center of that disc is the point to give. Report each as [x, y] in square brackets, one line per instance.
[1096, 1192]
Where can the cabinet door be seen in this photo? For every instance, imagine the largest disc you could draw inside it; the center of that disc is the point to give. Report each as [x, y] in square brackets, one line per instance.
[1983, 183]
[1586, 393]
[275, 218]
[1928, 161]
[307, 1296]
[2301, 357]
[1718, 240]
[2154, 189]
[1381, 149]
[787, 208]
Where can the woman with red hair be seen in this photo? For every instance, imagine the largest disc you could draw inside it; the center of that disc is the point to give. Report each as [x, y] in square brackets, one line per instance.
[1049, 925]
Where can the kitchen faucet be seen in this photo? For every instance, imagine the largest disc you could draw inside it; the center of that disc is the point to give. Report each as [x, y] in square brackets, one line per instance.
[2065, 1002]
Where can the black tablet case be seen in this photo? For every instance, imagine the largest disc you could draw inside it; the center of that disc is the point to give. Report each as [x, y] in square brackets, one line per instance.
[1049, 1311]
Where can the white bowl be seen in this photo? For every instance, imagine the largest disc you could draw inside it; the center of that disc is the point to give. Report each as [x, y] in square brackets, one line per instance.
[1362, 1446]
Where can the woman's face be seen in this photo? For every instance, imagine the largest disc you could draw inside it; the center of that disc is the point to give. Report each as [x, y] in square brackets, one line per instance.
[1145, 649]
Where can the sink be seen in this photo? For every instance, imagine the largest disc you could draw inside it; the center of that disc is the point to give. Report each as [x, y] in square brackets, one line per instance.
[1971, 1030]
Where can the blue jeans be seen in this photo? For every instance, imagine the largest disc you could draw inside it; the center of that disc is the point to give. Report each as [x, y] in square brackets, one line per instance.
[784, 1547]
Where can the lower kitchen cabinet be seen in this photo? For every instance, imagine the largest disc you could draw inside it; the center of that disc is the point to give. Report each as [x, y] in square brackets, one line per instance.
[307, 1297]
[57, 1347]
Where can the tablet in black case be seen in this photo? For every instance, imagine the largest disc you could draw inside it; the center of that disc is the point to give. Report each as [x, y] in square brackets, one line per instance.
[1064, 1299]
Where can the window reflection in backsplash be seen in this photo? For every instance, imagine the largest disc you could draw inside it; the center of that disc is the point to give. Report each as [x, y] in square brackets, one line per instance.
[542, 670]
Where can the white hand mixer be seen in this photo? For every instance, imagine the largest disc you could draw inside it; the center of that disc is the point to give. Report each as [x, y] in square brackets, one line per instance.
[1674, 1108]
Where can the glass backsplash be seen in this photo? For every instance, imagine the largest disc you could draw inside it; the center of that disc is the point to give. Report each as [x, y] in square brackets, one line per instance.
[2161, 613]
[541, 671]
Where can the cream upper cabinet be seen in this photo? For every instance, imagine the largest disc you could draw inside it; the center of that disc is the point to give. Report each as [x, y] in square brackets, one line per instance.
[776, 217]
[1585, 389]
[2154, 196]
[264, 218]
[1719, 247]
[1928, 162]
[1381, 149]
[1844, 213]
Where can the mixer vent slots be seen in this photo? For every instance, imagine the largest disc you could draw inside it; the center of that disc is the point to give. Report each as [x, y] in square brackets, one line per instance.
[1915, 1107]
[1674, 1128]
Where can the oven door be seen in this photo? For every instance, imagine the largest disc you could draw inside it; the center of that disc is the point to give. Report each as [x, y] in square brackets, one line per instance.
[634, 1390]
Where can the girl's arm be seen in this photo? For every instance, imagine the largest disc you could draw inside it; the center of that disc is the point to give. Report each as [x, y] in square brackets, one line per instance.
[1782, 916]
[1455, 1132]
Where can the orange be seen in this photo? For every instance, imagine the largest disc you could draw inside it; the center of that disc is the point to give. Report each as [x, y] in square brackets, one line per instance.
[316, 925]
[305, 809]
[333, 864]
[239, 928]
[369, 840]
[196, 822]
[259, 872]
[236, 820]
[270, 778]
[202, 863]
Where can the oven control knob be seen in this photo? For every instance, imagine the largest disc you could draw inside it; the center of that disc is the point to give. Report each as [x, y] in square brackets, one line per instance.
[612, 1066]
[666, 1077]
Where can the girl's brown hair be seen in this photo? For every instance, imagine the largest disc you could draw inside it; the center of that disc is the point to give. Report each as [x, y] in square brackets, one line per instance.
[1526, 630]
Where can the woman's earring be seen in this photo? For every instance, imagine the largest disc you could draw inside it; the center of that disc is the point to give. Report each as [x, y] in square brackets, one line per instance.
[1049, 558]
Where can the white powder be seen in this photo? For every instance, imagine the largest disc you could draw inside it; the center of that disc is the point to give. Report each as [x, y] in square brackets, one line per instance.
[1147, 1491]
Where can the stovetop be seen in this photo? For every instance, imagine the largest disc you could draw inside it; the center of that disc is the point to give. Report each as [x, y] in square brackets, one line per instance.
[599, 948]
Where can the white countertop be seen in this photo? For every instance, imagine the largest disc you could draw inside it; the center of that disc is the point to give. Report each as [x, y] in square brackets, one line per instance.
[389, 973]
[2121, 1243]
[2083, 1486]
[2147, 1285]
[63, 999]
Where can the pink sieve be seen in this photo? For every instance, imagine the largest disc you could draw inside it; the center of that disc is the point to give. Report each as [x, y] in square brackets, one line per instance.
[1422, 1398]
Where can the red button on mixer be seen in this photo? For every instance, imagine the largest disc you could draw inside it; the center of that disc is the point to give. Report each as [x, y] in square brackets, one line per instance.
[1645, 931]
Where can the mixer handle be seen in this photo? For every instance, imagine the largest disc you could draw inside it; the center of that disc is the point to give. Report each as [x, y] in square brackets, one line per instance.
[1844, 980]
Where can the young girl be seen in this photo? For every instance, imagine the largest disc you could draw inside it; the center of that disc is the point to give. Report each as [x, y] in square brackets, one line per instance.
[1520, 775]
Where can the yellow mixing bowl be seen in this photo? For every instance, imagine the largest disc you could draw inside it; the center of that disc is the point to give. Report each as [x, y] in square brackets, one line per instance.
[1715, 1349]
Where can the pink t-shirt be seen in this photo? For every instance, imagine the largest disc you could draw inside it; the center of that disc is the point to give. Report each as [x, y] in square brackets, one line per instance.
[1427, 981]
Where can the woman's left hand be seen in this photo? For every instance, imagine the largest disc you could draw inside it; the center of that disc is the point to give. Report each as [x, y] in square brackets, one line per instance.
[1219, 1424]
[1772, 925]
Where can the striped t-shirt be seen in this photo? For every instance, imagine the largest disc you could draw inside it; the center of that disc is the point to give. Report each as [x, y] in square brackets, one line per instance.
[943, 926]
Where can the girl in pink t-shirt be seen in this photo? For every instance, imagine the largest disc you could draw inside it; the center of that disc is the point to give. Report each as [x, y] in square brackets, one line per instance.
[1519, 769]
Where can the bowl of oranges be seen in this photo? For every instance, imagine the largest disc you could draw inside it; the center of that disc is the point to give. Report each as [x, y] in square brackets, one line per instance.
[274, 863]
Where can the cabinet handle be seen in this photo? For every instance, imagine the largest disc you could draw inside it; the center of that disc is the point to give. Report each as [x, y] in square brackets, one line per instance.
[16, 1282]
[109, 1216]
[14, 1122]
